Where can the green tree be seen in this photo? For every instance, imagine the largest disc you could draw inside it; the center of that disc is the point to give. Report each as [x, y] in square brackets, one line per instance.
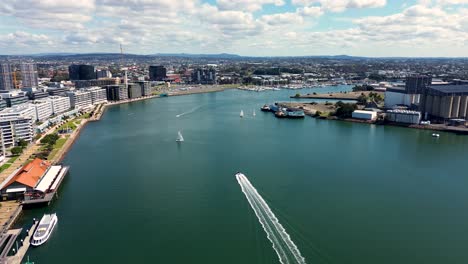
[50, 139]
[16, 150]
[362, 99]
[22, 143]
[345, 110]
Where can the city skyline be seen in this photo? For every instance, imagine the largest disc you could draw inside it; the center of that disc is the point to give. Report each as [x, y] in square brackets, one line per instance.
[374, 28]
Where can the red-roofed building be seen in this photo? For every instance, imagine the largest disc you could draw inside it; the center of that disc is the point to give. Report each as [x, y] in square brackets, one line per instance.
[23, 179]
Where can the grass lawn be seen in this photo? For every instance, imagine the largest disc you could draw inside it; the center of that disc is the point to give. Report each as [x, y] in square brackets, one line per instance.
[12, 159]
[5, 166]
[58, 145]
[70, 124]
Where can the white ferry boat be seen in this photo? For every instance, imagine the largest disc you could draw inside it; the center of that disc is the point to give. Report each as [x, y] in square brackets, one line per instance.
[44, 229]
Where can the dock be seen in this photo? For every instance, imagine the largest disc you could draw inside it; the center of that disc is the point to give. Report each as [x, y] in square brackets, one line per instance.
[9, 240]
[52, 190]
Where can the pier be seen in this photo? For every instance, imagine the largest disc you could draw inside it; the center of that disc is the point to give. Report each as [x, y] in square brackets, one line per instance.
[9, 240]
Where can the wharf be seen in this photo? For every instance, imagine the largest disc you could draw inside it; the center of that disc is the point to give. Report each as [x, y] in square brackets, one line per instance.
[50, 195]
[11, 236]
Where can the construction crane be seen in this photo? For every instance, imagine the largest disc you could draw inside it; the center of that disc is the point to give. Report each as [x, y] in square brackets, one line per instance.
[125, 69]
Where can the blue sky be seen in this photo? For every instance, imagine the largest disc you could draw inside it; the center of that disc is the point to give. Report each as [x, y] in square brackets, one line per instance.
[246, 27]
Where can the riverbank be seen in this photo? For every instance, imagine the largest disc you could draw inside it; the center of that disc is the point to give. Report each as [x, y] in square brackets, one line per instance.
[325, 110]
[11, 210]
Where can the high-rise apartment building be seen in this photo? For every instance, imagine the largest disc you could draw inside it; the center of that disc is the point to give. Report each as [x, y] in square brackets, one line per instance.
[6, 76]
[29, 74]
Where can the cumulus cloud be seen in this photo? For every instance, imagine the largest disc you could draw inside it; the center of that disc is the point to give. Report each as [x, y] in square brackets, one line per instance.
[246, 5]
[232, 26]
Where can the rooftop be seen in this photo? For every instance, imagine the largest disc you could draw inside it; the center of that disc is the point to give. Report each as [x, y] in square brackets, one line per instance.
[450, 88]
[29, 174]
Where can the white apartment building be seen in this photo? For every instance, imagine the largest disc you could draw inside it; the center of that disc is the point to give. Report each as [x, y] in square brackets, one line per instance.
[59, 104]
[22, 110]
[80, 99]
[43, 109]
[98, 95]
[17, 123]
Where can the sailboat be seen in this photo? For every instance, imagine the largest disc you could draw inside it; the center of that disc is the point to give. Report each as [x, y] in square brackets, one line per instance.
[254, 114]
[242, 113]
[180, 138]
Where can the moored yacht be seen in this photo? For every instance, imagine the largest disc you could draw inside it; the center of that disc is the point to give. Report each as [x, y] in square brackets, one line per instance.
[44, 229]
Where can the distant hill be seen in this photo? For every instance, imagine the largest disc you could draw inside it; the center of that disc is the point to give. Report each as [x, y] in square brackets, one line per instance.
[189, 55]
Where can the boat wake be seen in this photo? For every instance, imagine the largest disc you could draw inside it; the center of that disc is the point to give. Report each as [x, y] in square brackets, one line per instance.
[189, 112]
[285, 248]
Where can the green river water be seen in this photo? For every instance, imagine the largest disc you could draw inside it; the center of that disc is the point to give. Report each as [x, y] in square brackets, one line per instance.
[345, 192]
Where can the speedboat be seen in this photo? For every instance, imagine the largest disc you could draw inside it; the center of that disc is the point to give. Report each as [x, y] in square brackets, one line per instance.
[44, 229]
[265, 108]
[435, 135]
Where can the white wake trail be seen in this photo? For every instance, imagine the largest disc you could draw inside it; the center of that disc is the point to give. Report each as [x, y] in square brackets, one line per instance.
[189, 112]
[285, 248]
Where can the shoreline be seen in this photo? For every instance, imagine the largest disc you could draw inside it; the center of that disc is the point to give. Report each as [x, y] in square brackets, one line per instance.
[14, 215]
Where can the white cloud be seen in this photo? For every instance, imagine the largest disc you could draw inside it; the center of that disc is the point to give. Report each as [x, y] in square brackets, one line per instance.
[341, 5]
[246, 5]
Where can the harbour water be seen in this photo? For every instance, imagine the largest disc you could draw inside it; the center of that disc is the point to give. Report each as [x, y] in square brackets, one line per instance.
[345, 192]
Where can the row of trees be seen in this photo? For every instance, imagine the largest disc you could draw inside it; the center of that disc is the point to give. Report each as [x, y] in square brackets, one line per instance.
[48, 141]
[372, 97]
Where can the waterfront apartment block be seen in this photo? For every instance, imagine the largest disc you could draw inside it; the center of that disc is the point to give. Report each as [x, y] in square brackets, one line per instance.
[29, 74]
[98, 95]
[116, 92]
[33, 93]
[145, 88]
[23, 110]
[100, 82]
[3, 103]
[59, 104]
[204, 76]
[80, 99]
[134, 90]
[15, 97]
[445, 102]
[43, 109]
[17, 123]
[57, 91]
[6, 76]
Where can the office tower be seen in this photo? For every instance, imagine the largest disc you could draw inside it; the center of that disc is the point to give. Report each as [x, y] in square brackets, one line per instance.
[157, 73]
[81, 72]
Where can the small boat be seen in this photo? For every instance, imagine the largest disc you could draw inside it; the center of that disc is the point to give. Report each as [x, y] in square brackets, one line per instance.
[254, 114]
[295, 113]
[242, 113]
[280, 114]
[435, 135]
[44, 229]
[265, 108]
[180, 138]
